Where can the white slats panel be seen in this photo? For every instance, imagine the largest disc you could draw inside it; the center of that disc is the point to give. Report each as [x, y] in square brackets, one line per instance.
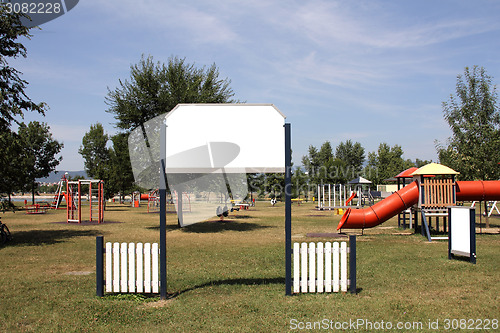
[319, 267]
[132, 267]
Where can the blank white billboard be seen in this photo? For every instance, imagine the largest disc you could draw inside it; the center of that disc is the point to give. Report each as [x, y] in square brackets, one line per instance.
[230, 138]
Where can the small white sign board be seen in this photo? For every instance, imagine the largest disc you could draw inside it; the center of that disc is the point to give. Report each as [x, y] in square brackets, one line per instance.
[229, 138]
[462, 232]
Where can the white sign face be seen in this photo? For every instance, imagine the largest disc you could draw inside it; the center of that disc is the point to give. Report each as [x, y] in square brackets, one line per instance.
[225, 138]
[460, 230]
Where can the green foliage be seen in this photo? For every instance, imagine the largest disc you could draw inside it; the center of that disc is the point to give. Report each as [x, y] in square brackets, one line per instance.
[95, 152]
[156, 88]
[38, 153]
[353, 155]
[324, 167]
[122, 176]
[474, 119]
[10, 160]
[386, 163]
[112, 165]
[13, 98]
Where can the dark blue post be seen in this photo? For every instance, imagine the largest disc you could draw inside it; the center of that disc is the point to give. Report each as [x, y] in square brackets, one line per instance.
[163, 215]
[472, 235]
[352, 263]
[288, 211]
[99, 265]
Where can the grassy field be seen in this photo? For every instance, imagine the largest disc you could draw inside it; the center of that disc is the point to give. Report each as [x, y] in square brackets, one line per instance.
[229, 277]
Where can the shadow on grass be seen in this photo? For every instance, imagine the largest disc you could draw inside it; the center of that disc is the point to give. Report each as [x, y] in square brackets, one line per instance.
[215, 226]
[232, 282]
[47, 237]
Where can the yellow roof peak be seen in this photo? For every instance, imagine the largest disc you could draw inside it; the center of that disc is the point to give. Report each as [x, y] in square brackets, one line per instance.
[435, 169]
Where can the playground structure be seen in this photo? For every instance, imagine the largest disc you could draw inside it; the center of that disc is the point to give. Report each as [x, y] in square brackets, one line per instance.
[339, 196]
[334, 196]
[432, 191]
[60, 193]
[95, 198]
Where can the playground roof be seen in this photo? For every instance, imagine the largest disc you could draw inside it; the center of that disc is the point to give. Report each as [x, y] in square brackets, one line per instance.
[435, 169]
[360, 180]
[407, 173]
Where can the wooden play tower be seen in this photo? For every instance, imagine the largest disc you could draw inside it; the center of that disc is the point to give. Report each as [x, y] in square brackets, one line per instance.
[437, 192]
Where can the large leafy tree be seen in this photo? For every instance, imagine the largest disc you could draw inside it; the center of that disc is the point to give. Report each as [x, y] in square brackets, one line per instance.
[474, 119]
[13, 98]
[38, 153]
[156, 88]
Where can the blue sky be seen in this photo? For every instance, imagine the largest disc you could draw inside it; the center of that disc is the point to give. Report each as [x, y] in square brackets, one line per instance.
[370, 71]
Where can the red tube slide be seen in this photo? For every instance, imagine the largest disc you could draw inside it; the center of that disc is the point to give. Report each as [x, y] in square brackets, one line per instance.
[408, 196]
[382, 210]
[478, 190]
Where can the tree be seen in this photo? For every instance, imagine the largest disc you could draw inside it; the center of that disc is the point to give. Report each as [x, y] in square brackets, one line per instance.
[121, 176]
[38, 153]
[10, 172]
[97, 157]
[387, 162]
[474, 119]
[353, 155]
[154, 89]
[95, 152]
[13, 98]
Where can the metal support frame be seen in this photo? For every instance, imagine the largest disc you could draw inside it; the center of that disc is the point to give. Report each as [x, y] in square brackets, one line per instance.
[288, 211]
[163, 213]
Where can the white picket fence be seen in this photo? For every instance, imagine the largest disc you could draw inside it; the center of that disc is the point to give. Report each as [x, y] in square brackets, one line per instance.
[132, 268]
[319, 267]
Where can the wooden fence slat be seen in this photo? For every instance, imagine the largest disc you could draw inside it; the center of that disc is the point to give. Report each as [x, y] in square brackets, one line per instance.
[321, 264]
[312, 267]
[335, 253]
[147, 267]
[303, 272]
[154, 255]
[131, 267]
[328, 267]
[109, 267]
[116, 267]
[296, 267]
[343, 267]
[140, 267]
[124, 270]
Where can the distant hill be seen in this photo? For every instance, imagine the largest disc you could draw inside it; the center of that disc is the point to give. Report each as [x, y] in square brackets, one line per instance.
[55, 177]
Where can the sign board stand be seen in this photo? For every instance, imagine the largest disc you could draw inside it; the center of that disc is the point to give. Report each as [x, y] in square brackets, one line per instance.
[231, 151]
[462, 231]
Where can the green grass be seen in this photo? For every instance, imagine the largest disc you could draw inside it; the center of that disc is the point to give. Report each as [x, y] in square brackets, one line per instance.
[229, 277]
